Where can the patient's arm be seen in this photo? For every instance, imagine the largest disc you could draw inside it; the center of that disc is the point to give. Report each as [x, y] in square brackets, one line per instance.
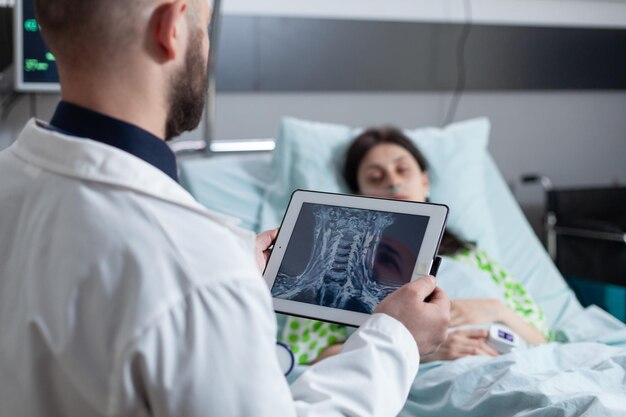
[527, 331]
[480, 311]
[459, 343]
[468, 342]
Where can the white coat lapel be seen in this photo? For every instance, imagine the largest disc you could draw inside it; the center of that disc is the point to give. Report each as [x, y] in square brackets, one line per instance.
[93, 161]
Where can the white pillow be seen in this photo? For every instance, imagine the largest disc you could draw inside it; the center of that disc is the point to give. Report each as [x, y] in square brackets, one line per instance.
[310, 155]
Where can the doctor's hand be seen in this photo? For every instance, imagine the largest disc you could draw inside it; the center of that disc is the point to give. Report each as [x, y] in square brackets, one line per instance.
[263, 243]
[424, 309]
[460, 343]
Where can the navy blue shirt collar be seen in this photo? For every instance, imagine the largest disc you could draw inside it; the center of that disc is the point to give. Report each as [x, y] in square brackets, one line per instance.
[81, 122]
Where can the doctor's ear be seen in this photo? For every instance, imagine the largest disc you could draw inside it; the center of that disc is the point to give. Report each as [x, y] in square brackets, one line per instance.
[169, 22]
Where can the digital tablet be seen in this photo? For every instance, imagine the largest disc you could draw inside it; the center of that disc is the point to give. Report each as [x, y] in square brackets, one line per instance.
[337, 256]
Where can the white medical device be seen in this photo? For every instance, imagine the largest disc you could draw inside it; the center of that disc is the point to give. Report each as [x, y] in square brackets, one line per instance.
[503, 339]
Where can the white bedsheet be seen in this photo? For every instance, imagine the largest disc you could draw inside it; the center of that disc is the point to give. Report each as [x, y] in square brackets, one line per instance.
[575, 379]
[586, 377]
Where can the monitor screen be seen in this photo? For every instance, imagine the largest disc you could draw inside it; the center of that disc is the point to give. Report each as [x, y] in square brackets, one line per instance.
[35, 65]
[6, 37]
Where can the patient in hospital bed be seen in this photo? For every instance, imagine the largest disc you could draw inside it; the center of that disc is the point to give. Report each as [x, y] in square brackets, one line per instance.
[383, 162]
[581, 372]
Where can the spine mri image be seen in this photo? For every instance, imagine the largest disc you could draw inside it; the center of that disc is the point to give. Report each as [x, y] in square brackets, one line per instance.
[349, 261]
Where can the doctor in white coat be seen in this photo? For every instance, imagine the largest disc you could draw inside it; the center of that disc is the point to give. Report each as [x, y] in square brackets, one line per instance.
[119, 294]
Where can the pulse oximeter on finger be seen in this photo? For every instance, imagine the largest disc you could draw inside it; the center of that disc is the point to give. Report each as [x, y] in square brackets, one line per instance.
[503, 339]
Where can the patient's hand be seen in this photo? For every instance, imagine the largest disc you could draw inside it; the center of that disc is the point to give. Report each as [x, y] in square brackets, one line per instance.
[263, 243]
[460, 343]
[468, 312]
[479, 311]
[331, 350]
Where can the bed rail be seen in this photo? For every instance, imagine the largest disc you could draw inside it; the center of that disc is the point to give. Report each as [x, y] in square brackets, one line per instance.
[222, 146]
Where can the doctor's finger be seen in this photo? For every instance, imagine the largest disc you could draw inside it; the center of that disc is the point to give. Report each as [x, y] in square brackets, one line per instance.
[272, 234]
[266, 239]
[423, 287]
[439, 298]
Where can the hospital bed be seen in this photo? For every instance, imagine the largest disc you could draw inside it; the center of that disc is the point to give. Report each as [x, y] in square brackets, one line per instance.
[583, 377]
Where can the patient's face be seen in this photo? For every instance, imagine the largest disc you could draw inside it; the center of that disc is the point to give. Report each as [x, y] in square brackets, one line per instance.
[390, 171]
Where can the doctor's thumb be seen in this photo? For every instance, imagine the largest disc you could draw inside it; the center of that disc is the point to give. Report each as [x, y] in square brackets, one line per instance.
[422, 287]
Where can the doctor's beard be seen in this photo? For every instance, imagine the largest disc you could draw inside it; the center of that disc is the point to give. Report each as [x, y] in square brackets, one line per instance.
[188, 91]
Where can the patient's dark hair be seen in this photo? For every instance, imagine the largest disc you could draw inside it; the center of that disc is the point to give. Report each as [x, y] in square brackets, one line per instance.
[365, 142]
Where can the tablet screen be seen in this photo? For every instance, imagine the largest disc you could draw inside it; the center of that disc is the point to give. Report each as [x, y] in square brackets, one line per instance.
[348, 258]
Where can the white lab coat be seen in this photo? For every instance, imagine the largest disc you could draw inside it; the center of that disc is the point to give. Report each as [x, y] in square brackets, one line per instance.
[121, 296]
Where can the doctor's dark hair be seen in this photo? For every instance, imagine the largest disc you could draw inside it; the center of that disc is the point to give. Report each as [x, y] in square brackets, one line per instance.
[79, 31]
[368, 140]
[88, 33]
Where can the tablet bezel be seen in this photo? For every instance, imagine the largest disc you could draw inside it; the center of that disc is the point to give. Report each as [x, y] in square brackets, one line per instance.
[437, 213]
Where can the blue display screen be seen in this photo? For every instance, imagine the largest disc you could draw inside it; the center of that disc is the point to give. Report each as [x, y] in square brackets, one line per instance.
[505, 335]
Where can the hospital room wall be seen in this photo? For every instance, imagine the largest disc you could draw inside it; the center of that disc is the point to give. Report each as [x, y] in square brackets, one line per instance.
[576, 138]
